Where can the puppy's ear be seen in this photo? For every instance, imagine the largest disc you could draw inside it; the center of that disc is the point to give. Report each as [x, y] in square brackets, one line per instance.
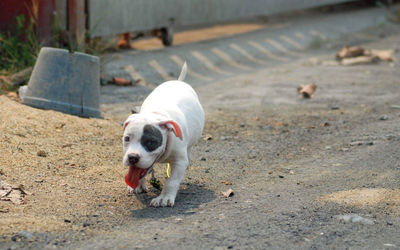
[171, 125]
[125, 124]
[128, 120]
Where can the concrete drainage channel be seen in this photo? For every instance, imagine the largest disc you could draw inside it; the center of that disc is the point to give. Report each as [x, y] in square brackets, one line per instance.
[215, 59]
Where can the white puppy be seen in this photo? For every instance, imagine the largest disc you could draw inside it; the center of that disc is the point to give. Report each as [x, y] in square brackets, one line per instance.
[170, 121]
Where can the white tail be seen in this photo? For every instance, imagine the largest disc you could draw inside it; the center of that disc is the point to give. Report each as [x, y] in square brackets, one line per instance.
[182, 75]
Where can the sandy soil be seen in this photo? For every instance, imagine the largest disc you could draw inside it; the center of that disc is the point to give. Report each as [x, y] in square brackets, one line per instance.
[60, 159]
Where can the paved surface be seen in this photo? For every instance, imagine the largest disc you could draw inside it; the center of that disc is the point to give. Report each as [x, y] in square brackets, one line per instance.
[321, 173]
[281, 41]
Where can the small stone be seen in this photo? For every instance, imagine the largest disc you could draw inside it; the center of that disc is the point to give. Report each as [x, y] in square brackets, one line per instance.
[383, 118]
[269, 127]
[356, 143]
[25, 234]
[335, 107]
[252, 156]
[203, 159]
[242, 125]
[41, 153]
[355, 218]
[178, 219]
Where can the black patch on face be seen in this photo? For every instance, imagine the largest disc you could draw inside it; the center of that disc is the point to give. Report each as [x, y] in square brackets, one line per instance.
[151, 138]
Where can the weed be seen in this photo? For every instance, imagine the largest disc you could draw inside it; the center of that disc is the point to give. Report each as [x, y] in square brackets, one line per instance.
[18, 50]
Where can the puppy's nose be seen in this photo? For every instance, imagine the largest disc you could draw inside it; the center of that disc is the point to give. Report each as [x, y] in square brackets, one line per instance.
[133, 158]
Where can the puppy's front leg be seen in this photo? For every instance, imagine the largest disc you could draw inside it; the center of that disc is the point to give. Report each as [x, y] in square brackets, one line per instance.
[168, 194]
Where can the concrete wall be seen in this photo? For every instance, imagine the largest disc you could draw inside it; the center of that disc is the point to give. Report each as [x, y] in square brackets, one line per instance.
[110, 17]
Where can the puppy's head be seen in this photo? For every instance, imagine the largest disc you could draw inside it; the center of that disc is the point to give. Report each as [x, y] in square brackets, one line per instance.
[144, 141]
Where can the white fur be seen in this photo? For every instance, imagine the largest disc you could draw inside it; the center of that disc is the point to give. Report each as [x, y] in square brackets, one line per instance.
[171, 101]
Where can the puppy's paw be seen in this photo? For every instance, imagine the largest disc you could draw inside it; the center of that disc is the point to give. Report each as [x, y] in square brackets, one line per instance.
[138, 190]
[130, 190]
[163, 200]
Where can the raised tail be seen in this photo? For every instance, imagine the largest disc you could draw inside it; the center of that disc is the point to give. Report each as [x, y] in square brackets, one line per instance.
[182, 75]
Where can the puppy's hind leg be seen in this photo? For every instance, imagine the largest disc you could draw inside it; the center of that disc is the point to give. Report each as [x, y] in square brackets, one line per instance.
[168, 194]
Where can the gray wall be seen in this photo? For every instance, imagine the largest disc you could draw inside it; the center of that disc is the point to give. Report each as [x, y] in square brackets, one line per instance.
[110, 17]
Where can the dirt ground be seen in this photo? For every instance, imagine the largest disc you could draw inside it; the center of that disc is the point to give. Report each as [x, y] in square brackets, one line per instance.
[317, 173]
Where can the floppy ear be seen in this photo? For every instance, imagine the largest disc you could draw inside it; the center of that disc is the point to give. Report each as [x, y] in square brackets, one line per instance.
[125, 124]
[171, 125]
[128, 120]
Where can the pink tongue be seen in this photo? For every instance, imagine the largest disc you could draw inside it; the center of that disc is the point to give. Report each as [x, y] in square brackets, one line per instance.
[133, 176]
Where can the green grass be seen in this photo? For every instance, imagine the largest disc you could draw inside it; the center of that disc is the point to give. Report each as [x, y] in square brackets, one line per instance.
[18, 50]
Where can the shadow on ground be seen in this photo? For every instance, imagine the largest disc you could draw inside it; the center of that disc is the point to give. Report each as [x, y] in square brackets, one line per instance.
[187, 199]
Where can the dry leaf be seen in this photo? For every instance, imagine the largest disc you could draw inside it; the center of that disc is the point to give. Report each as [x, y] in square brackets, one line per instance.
[208, 137]
[307, 91]
[360, 60]
[228, 193]
[384, 55]
[121, 81]
[227, 183]
[15, 194]
[4, 210]
[349, 52]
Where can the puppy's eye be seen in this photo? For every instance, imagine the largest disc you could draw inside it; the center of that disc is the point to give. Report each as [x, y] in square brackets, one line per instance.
[126, 138]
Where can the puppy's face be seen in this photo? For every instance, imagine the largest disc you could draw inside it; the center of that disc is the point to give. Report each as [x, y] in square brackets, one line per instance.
[143, 142]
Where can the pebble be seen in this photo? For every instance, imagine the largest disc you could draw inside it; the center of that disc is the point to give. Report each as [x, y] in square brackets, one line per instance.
[22, 235]
[252, 156]
[389, 245]
[335, 107]
[355, 218]
[383, 118]
[41, 153]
